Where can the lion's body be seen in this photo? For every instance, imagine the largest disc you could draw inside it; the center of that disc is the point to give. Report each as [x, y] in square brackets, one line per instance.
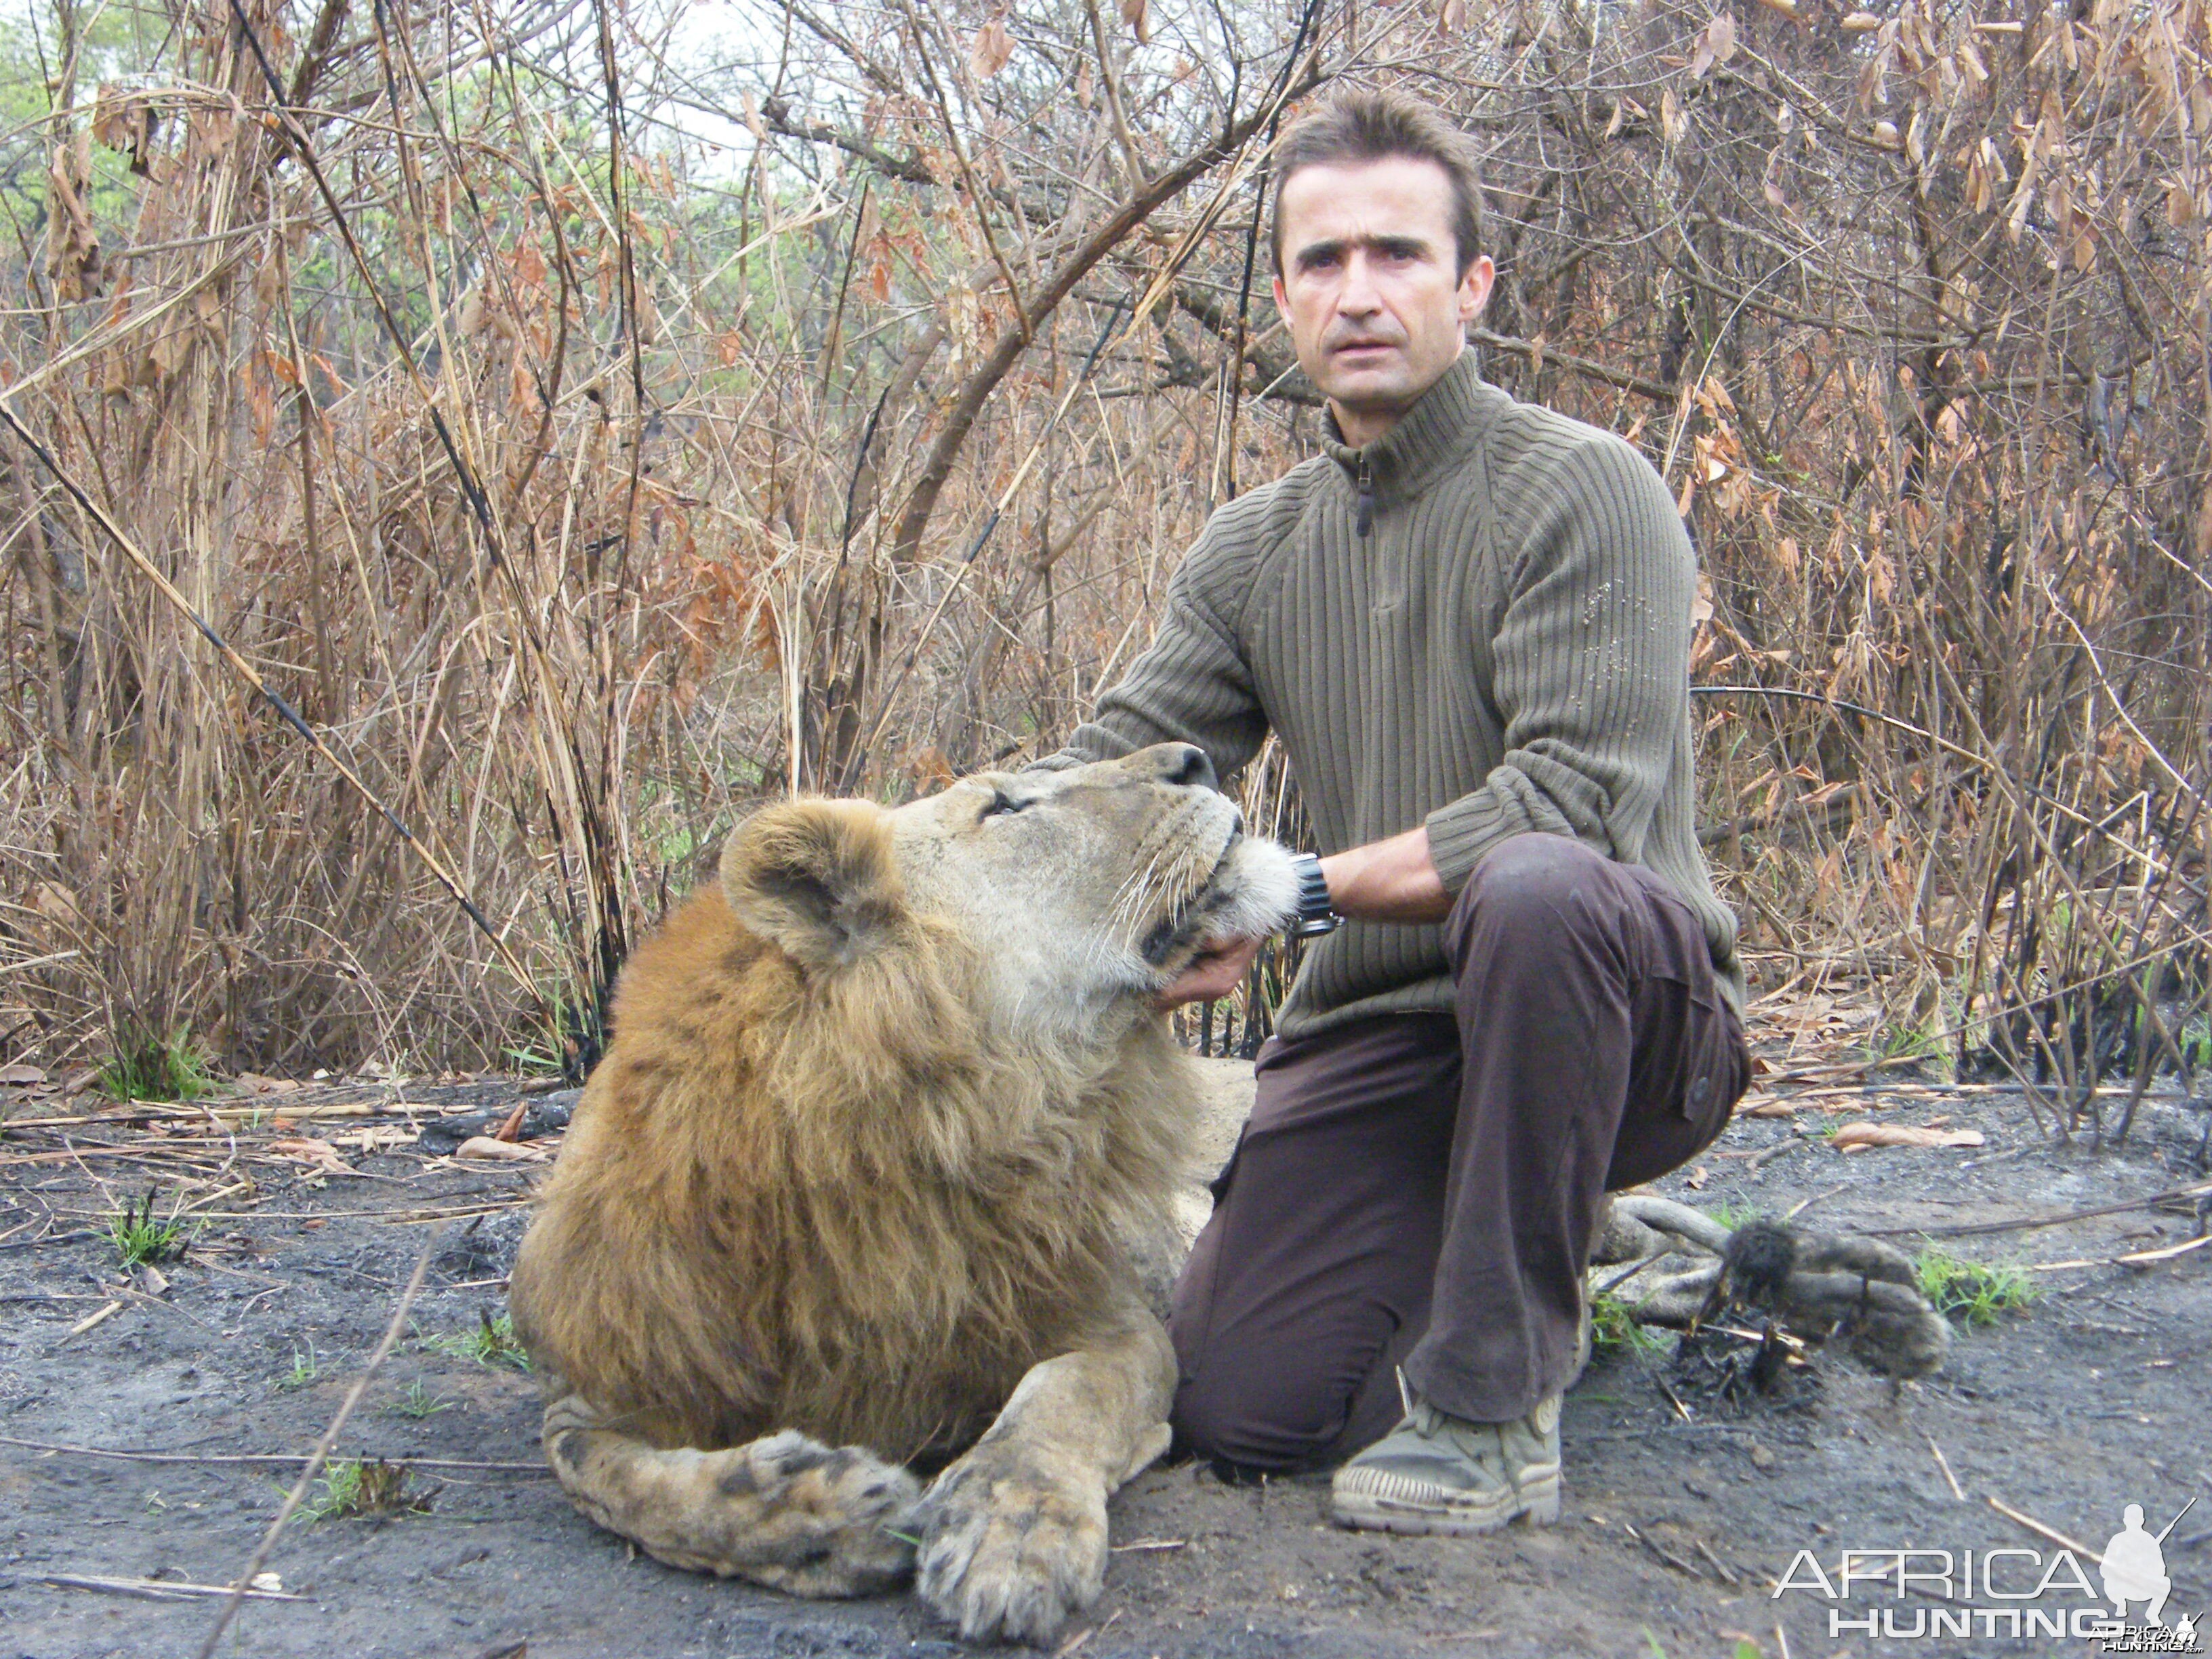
[863, 1220]
[882, 1114]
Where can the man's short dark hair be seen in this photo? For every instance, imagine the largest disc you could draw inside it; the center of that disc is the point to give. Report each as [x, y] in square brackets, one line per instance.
[1359, 126]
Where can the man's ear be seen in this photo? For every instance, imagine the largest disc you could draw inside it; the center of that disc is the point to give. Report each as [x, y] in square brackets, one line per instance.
[1475, 287]
[816, 879]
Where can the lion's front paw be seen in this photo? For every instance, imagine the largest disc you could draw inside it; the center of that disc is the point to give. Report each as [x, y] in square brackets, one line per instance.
[1009, 1548]
[785, 1510]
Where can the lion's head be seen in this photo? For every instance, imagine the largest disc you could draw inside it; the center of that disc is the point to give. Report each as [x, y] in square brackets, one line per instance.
[1085, 887]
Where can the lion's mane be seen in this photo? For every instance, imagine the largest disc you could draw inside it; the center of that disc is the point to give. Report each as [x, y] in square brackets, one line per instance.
[822, 1195]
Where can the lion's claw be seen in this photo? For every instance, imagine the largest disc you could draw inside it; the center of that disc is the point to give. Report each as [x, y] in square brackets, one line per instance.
[1009, 1550]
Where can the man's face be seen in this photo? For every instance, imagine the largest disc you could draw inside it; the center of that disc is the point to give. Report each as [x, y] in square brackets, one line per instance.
[1370, 288]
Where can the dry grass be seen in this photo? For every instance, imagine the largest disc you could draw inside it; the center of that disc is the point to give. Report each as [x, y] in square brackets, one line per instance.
[598, 487]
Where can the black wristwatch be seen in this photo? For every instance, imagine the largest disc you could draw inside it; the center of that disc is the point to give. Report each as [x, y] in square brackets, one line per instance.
[1314, 916]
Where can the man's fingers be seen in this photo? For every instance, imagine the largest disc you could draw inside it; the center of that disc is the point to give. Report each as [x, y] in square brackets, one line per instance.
[1223, 967]
[1211, 976]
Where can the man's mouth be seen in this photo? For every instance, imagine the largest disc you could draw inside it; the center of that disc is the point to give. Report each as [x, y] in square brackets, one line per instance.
[1363, 347]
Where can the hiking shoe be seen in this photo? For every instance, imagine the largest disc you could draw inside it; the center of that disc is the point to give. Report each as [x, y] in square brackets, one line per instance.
[1439, 1474]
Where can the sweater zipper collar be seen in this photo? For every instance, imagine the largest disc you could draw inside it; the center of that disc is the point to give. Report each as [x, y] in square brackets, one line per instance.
[1431, 435]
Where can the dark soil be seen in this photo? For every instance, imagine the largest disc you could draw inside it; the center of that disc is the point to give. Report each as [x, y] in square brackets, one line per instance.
[1676, 1532]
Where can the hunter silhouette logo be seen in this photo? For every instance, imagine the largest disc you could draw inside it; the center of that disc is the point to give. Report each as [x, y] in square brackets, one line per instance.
[2134, 1568]
[2011, 1592]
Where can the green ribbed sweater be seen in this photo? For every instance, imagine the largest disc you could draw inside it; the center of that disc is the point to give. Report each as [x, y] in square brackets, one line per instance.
[1479, 622]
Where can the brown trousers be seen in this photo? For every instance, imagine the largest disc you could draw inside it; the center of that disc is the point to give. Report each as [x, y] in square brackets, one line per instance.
[1421, 1189]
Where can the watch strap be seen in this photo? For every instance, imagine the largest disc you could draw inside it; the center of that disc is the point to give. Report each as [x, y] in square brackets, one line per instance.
[1315, 914]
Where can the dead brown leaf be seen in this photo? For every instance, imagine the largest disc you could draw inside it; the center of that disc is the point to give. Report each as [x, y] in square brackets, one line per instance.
[992, 49]
[319, 1153]
[253, 1083]
[1858, 1136]
[1716, 46]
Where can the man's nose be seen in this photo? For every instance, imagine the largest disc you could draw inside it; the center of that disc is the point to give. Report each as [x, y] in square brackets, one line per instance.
[1359, 297]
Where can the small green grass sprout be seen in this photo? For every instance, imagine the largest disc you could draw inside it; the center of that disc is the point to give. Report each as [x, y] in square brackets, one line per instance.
[418, 1403]
[492, 1343]
[353, 1485]
[146, 1066]
[306, 1368]
[141, 1241]
[1973, 1294]
[1613, 1328]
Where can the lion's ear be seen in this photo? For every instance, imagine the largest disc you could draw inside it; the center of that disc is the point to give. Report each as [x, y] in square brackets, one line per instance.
[815, 878]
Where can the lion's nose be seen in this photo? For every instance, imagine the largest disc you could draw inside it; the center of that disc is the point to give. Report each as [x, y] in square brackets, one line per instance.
[1184, 763]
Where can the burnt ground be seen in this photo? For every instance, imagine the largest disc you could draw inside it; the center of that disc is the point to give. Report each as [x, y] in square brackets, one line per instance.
[1678, 1523]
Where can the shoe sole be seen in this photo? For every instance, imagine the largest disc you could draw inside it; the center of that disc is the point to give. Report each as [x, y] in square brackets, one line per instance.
[1537, 1505]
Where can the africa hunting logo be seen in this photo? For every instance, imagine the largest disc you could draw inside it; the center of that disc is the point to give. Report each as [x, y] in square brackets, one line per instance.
[2013, 1593]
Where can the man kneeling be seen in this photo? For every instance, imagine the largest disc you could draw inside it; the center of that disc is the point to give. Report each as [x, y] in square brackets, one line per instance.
[1469, 623]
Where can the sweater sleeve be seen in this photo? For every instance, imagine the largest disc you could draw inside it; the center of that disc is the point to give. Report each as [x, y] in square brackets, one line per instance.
[1193, 684]
[1590, 663]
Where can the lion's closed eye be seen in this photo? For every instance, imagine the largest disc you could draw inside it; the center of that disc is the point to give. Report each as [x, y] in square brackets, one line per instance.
[1001, 802]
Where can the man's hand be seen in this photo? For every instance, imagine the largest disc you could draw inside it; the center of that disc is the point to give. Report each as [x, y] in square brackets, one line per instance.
[1392, 880]
[1212, 976]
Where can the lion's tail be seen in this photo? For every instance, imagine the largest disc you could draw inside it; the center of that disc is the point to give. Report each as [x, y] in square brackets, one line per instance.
[784, 1511]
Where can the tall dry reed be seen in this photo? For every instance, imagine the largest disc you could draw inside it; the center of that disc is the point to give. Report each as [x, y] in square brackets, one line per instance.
[583, 483]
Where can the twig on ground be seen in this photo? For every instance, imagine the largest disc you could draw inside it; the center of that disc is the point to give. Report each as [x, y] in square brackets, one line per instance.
[408, 1458]
[1944, 1464]
[2035, 1526]
[91, 1320]
[161, 1589]
[1706, 1549]
[322, 1447]
[136, 1295]
[1630, 1272]
[2027, 1223]
[1075, 1643]
[1805, 1204]
[1665, 1556]
[2134, 1259]
[1760, 1160]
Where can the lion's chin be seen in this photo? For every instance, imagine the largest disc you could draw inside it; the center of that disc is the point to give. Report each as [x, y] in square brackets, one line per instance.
[1251, 891]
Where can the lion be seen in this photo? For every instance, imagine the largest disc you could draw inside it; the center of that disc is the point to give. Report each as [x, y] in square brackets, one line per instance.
[855, 1186]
